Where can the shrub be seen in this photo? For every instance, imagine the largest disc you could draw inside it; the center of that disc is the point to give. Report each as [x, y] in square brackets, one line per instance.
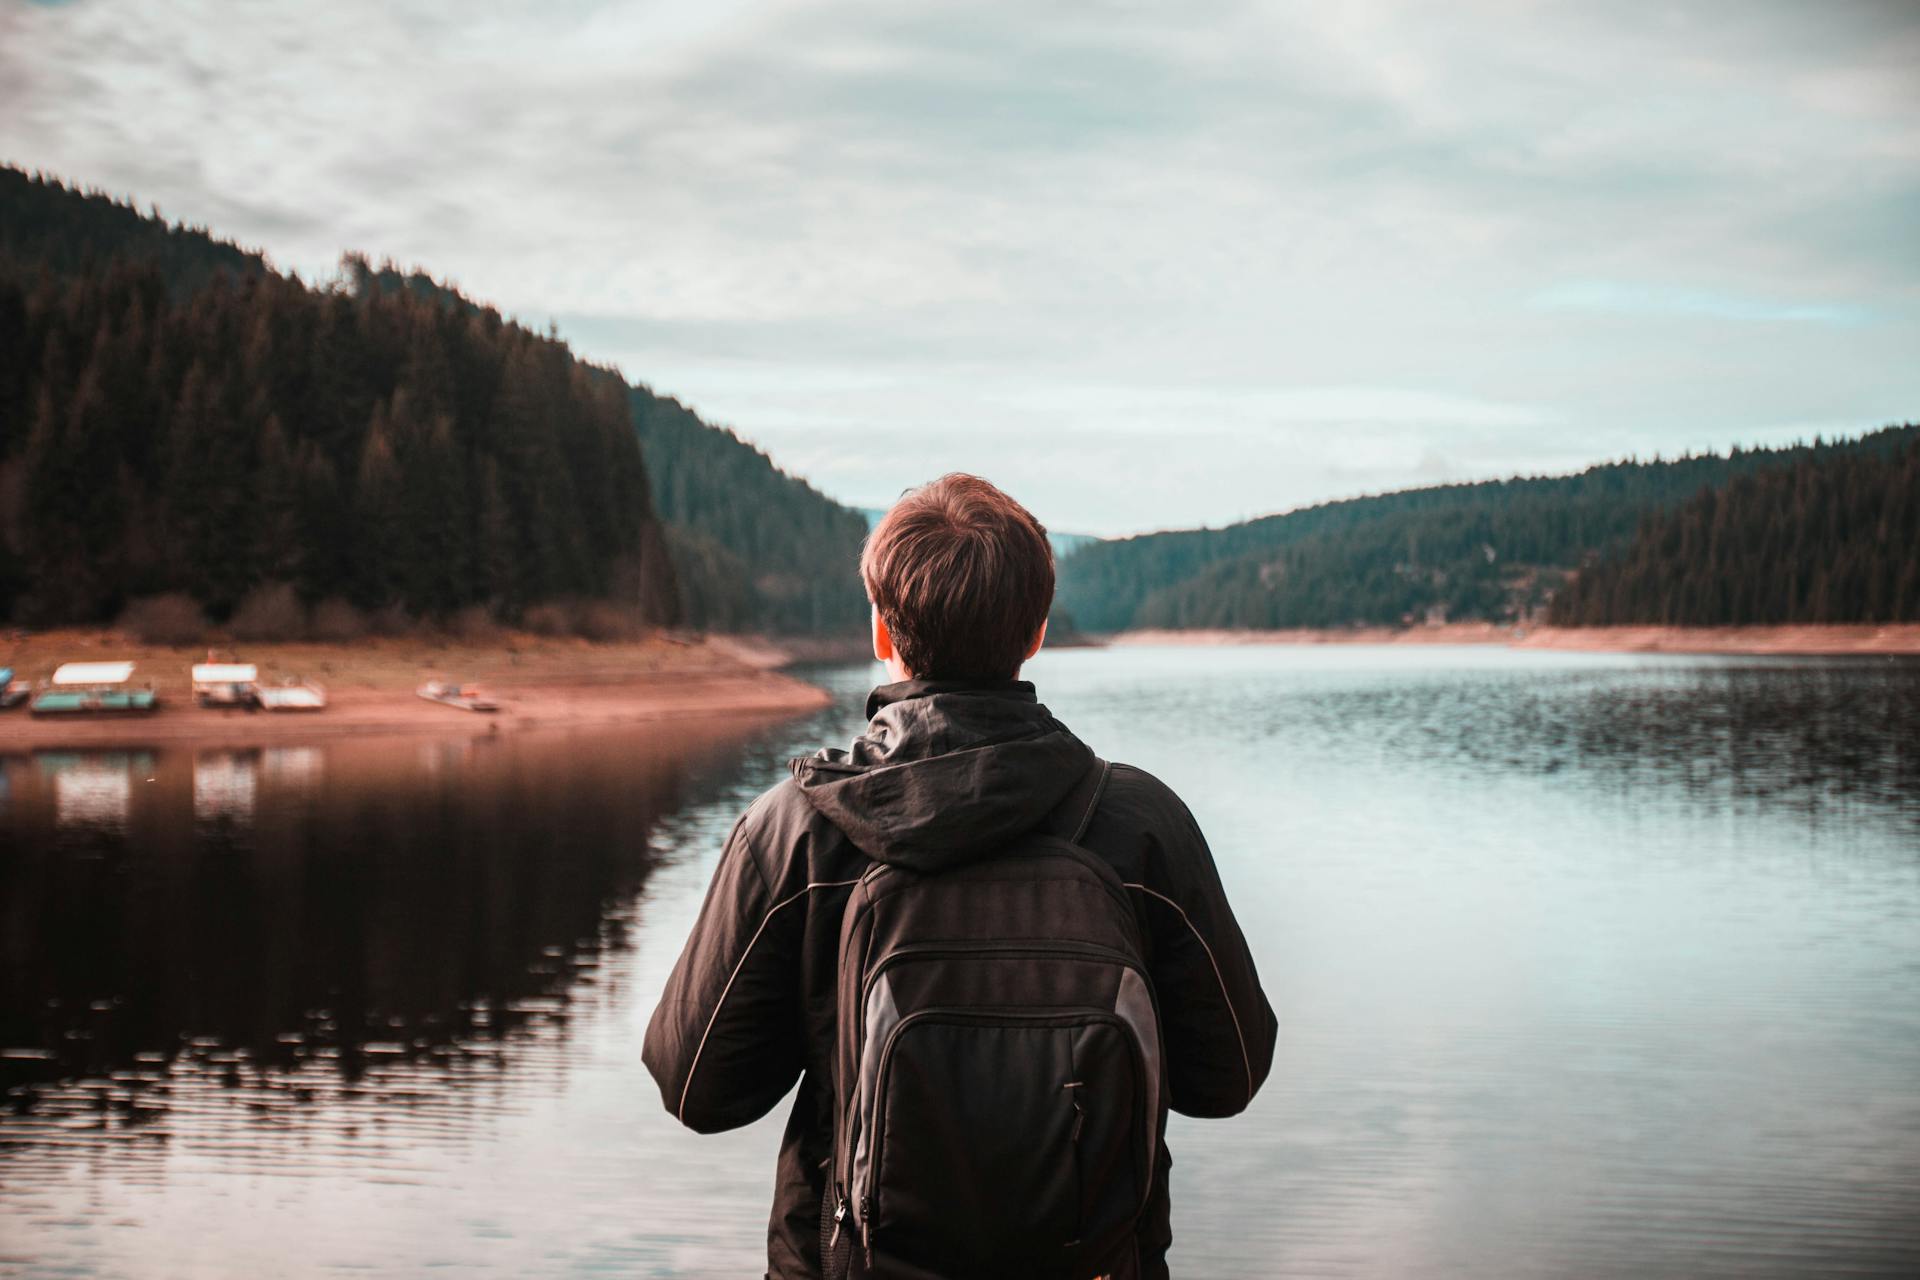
[173, 618]
[474, 624]
[552, 618]
[605, 620]
[390, 620]
[337, 620]
[270, 612]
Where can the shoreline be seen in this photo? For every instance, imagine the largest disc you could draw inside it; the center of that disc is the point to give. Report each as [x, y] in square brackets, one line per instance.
[540, 682]
[554, 682]
[1822, 640]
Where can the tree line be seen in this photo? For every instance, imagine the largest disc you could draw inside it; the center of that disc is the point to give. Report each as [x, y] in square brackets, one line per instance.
[1492, 551]
[1826, 538]
[177, 417]
[757, 549]
[250, 434]
[754, 548]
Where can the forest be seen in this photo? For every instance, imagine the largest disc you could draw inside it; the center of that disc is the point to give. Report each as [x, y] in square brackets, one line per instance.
[1495, 551]
[1825, 538]
[774, 554]
[754, 548]
[249, 436]
[178, 420]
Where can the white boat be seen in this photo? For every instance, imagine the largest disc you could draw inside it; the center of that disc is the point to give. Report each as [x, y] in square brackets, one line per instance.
[225, 684]
[291, 695]
[93, 688]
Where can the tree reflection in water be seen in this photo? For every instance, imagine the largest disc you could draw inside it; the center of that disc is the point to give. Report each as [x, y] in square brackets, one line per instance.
[289, 920]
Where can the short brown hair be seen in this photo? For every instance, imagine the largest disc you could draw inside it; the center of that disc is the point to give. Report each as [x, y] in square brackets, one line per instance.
[963, 577]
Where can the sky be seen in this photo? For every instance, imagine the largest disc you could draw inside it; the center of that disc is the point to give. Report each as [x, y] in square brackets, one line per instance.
[1145, 266]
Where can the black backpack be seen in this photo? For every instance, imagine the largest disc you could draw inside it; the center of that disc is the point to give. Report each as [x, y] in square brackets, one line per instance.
[999, 1087]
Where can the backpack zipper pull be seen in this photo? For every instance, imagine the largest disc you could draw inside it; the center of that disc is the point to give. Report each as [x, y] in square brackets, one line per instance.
[839, 1212]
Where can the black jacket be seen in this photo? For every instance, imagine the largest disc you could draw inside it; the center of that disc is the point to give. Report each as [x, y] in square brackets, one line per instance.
[944, 770]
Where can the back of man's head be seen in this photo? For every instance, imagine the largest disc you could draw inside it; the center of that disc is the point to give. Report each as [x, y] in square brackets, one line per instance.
[963, 577]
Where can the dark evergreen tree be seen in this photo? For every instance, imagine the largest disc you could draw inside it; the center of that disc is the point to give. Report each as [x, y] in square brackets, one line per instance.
[181, 418]
[1830, 537]
[1493, 551]
[776, 555]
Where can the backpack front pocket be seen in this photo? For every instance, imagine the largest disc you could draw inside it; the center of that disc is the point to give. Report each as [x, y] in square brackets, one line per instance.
[998, 1138]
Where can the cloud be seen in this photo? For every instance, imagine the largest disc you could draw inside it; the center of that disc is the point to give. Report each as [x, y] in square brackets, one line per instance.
[1632, 299]
[1296, 249]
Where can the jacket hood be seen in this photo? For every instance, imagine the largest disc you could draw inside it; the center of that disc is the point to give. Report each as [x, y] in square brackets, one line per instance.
[947, 771]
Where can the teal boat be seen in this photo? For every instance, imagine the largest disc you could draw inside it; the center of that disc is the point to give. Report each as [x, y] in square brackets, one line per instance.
[93, 688]
[12, 692]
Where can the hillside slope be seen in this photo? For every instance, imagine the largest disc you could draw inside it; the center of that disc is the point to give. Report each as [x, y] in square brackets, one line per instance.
[775, 555]
[68, 231]
[1494, 550]
[251, 441]
[1829, 538]
[738, 543]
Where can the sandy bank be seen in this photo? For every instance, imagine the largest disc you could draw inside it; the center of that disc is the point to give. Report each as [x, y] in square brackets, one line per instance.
[1811, 640]
[1807, 640]
[1449, 633]
[541, 682]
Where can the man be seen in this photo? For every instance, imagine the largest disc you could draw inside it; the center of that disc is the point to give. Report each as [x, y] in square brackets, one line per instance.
[959, 759]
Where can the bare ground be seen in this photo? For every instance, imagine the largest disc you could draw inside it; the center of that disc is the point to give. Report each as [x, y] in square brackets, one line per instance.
[539, 681]
[1903, 638]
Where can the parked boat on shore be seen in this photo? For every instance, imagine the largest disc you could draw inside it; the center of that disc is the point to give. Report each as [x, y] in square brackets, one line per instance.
[225, 684]
[94, 688]
[467, 697]
[292, 694]
[12, 692]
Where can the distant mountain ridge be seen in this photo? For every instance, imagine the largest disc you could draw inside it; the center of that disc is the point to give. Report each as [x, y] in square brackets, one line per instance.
[162, 390]
[1496, 550]
[1064, 544]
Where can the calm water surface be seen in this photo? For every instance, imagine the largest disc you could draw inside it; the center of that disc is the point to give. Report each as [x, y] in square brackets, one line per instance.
[1585, 966]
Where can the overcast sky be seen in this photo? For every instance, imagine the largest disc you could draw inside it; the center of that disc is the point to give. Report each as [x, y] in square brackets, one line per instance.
[1146, 266]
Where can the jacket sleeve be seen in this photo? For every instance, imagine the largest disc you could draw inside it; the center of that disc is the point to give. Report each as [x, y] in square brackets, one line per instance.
[725, 1043]
[1219, 1028]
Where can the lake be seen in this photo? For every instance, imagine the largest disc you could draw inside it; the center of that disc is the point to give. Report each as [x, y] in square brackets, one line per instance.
[1585, 965]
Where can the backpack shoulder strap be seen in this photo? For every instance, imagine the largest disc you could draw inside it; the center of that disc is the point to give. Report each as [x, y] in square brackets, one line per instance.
[1071, 817]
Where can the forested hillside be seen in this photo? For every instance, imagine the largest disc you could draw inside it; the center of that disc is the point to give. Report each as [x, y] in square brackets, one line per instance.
[1064, 544]
[1833, 537]
[177, 417]
[754, 549]
[775, 555]
[250, 435]
[45, 223]
[1495, 550]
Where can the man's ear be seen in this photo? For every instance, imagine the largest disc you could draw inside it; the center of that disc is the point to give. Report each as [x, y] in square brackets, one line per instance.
[882, 638]
[1039, 639]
